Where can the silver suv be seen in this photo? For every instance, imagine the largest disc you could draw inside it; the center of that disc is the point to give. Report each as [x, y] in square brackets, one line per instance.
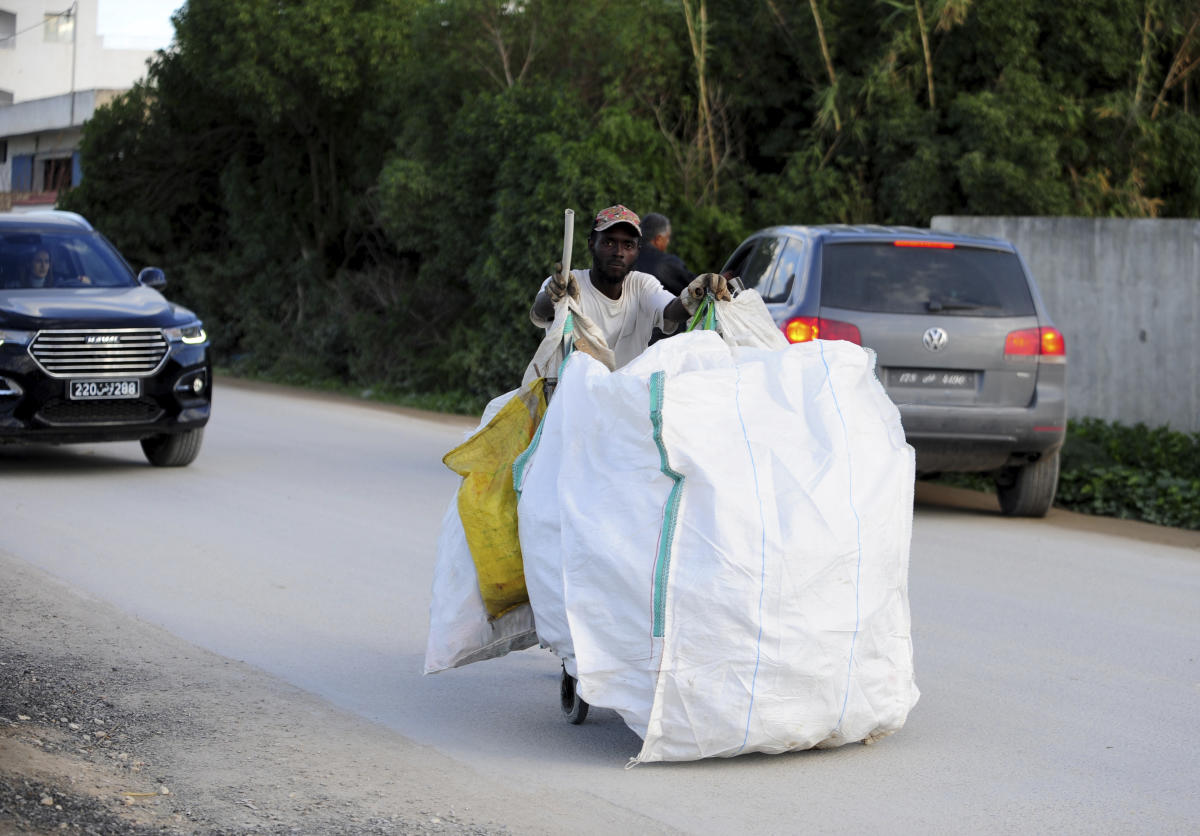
[966, 348]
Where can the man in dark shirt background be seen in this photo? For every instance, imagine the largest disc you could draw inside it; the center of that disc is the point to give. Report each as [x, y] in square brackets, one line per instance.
[654, 259]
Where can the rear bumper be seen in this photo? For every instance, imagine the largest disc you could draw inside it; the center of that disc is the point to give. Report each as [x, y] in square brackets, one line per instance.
[968, 438]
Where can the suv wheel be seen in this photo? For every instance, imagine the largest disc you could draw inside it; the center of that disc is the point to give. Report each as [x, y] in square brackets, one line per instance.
[1028, 491]
[173, 449]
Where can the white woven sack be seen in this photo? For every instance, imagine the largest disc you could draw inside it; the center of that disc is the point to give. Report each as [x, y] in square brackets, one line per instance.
[460, 630]
[580, 332]
[720, 543]
[746, 322]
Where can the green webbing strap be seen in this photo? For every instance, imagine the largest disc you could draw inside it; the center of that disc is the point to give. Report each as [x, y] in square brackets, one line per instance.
[706, 315]
[568, 336]
[522, 461]
[662, 562]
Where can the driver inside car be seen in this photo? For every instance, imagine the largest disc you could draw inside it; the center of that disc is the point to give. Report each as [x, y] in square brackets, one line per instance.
[39, 273]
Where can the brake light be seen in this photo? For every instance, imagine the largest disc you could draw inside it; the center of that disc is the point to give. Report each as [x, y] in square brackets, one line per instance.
[931, 245]
[831, 329]
[1024, 342]
[802, 329]
[1053, 342]
[1045, 342]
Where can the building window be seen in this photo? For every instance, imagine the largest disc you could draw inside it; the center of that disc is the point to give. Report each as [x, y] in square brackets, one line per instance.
[60, 27]
[8, 30]
[56, 174]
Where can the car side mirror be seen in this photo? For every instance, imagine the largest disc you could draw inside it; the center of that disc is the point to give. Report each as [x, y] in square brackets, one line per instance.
[153, 277]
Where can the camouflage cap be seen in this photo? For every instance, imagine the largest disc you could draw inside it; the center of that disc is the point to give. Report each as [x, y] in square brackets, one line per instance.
[617, 215]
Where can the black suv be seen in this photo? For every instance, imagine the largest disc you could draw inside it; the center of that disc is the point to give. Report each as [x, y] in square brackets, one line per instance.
[89, 351]
[965, 346]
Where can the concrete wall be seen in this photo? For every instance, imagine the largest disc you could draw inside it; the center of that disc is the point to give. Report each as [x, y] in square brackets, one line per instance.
[1126, 294]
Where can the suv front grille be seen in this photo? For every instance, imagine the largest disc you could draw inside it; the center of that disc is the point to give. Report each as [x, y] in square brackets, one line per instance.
[100, 353]
[63, 413]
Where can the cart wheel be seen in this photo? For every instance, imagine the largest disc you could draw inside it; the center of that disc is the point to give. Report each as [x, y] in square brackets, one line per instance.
[573, 706]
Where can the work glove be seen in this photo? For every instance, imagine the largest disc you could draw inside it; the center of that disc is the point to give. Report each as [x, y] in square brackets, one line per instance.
[561, 284]
[705, 283]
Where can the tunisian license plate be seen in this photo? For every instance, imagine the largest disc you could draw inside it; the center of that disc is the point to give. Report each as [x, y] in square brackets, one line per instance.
[931, 378]
[104, 390]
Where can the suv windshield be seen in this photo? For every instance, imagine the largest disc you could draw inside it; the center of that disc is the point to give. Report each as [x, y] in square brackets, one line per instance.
[962, 281]
[59, 259]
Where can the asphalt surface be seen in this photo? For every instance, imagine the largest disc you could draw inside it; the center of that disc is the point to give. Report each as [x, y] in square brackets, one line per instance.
[1057, 658]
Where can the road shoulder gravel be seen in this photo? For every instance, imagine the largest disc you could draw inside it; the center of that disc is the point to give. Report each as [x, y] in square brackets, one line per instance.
[110, 725]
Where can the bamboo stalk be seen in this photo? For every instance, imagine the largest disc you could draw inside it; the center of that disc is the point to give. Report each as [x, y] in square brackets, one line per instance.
[1143, 66]
[816, 13]
[1178, 71]
[925, 50]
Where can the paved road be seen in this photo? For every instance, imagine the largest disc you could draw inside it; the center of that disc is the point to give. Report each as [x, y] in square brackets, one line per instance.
[1059, 662]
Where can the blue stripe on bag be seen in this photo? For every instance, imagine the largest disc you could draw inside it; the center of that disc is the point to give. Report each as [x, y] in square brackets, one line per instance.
[762, 552]
[857, 533]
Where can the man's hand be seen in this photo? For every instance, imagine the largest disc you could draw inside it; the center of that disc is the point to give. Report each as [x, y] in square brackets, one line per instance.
[561, 284]
[705, 283]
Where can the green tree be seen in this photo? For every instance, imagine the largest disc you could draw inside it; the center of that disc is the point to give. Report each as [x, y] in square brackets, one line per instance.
[369, 191]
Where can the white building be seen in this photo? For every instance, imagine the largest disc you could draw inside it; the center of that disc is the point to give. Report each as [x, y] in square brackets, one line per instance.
[54, 72]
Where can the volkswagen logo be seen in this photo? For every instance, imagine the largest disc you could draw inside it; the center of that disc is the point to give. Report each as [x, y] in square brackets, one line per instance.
[935, 339]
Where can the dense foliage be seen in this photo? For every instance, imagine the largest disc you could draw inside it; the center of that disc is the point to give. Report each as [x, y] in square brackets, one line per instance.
[1141, 473]
[369, 191]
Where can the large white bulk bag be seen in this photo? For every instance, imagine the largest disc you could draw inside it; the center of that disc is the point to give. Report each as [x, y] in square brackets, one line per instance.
[716, 543]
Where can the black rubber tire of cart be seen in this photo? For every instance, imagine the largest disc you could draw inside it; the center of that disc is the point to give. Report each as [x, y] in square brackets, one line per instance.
[573, 706]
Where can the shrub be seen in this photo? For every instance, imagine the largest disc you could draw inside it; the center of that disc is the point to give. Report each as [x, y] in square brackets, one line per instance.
[1138, 472]
[1135, 472]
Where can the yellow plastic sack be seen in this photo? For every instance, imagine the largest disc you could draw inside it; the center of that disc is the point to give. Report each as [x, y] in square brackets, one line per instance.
[487, 503]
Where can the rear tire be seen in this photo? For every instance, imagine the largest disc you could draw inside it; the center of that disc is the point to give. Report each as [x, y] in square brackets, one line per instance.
[1028, 491]
[573, 706]
[173, 449]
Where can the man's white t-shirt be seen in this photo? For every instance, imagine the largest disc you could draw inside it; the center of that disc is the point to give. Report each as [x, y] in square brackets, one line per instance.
[626, 323]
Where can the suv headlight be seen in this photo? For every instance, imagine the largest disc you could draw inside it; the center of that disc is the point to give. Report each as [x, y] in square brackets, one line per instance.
[189, 334]
[15, 337]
